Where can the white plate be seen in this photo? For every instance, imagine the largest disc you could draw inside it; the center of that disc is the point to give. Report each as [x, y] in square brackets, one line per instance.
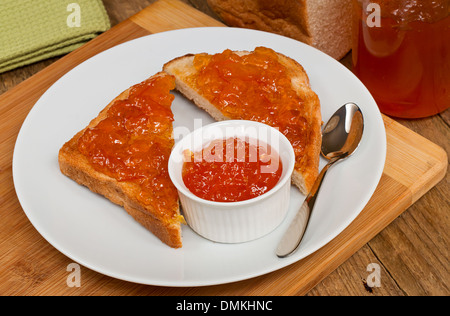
[103, 237]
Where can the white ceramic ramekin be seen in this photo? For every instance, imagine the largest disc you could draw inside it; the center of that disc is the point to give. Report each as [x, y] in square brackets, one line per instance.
[234, 222]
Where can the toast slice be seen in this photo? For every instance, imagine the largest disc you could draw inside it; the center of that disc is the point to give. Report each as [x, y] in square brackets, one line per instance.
[123, 155]
[264, 86]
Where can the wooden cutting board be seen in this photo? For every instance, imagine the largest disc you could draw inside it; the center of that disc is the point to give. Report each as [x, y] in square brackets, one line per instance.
[31, 266]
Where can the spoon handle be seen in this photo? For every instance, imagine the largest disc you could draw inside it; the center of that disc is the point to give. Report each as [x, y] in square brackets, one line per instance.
[294, 234]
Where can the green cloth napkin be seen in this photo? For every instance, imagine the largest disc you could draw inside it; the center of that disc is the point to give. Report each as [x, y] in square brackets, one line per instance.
[34, 30]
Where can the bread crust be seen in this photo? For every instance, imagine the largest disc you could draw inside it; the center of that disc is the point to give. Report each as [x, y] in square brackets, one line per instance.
[305, 174]
[324, 24]
[77, 167]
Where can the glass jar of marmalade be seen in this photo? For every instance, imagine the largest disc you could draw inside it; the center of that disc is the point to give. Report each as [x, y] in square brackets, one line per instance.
[401, 52]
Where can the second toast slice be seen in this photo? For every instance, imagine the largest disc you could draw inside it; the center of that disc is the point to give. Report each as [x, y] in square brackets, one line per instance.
[263, 86]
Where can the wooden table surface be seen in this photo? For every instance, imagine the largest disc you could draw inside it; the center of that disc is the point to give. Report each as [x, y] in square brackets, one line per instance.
[412, 251]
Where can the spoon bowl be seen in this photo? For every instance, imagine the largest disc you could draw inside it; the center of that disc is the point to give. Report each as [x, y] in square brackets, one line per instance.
[341, 136]
[343, 132]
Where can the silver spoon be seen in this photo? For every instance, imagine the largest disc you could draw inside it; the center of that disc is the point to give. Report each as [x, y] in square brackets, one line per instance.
[340, 137]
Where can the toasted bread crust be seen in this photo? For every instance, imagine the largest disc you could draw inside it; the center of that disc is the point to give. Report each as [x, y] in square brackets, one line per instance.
[306, 173]
[77, 167]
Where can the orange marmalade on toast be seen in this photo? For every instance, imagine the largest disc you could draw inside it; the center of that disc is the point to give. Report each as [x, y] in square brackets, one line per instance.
[254, 86]
[134, 141]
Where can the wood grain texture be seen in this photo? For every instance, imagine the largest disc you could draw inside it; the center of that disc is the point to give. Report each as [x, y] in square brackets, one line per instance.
[171, 15]
[411, 249]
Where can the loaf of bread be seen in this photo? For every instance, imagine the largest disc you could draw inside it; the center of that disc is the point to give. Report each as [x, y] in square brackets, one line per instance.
[324, 24]
[307, 151]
